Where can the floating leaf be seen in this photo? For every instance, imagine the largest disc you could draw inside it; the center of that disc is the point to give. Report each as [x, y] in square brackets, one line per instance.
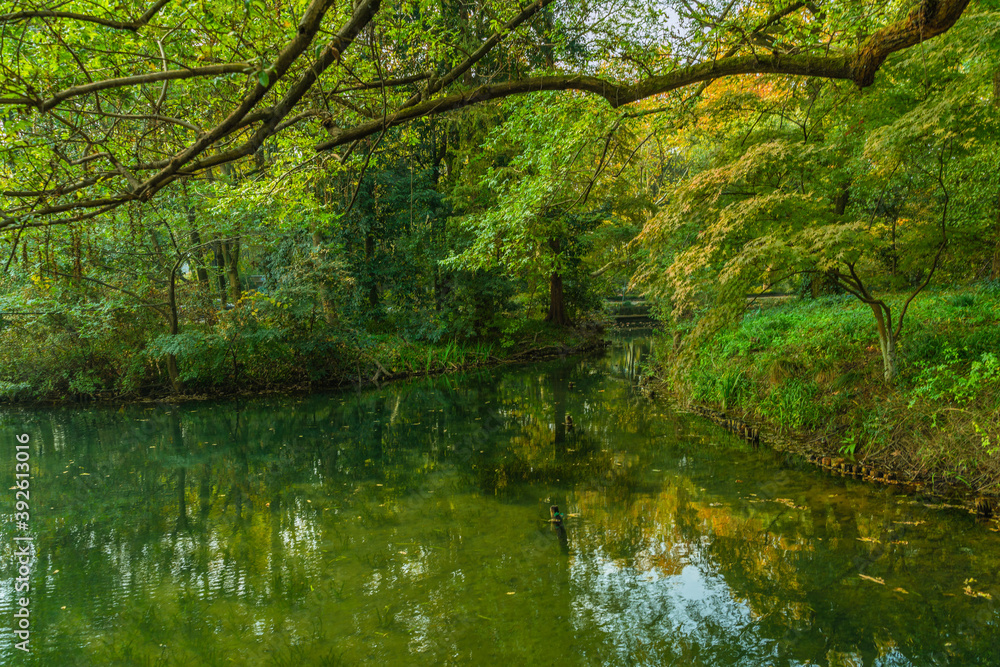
[977, 594]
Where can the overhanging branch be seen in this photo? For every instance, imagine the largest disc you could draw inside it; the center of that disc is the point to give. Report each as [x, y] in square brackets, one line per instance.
[15, 17]
[929, 19]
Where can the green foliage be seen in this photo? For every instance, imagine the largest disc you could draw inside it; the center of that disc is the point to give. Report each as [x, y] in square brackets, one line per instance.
[290, 266]
[812, 364]
[724, 388]
[955, 380]
[792, 404]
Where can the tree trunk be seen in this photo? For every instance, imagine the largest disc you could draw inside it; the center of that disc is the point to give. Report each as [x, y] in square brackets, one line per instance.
[219, 260]
[154, 239]
[199, 257]
[438, 237]
[172, 371]
[890, 370]
[370, 264]
[174, 374]
[816, 285]
[887, 343]
[329, 311]
[547, 36]
[822, 281]
[557, 304]
[199, 251]
[231, 250]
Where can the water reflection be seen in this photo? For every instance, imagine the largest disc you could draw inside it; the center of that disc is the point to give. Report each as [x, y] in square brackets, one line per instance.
[410, 525]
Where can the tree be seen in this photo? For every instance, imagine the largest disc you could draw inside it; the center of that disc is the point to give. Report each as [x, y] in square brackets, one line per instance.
[871, 194]
[544, 188]
[110, 106]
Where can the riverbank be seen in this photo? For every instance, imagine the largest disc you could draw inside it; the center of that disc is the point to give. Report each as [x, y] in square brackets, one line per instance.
[808, 375]
[378, 510]
[358, 360]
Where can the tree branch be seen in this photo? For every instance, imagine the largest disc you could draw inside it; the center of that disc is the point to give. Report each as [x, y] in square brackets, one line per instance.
[15, 17]
[941, 247]
[434, 85]
[126, 81]
[930, 19]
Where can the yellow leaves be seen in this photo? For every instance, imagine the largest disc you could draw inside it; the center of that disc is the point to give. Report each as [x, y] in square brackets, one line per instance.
[41, 282]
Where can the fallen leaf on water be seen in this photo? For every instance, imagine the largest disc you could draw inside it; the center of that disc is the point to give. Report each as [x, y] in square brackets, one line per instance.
[788, 503]
[976, 594]
[901, 590]
[877, 580]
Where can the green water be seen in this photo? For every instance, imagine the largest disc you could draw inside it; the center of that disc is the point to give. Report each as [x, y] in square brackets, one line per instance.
[407, 526]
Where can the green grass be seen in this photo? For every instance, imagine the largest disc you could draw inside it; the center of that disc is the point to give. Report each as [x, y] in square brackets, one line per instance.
[815, 365]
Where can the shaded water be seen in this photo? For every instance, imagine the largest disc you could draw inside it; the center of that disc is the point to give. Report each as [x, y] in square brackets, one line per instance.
[407, 526]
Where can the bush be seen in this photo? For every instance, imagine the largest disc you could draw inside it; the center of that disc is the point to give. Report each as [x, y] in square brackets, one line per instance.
[954, 380]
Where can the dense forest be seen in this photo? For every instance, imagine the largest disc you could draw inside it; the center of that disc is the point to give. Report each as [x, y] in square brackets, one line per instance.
[213, 198]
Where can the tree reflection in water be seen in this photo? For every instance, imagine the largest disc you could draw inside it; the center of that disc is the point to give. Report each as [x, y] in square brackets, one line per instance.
[409, 525]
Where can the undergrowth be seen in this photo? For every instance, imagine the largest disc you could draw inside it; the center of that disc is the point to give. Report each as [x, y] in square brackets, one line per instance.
[814, 367]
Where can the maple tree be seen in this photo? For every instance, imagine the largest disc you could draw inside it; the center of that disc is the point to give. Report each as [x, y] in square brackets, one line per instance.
[877, 193]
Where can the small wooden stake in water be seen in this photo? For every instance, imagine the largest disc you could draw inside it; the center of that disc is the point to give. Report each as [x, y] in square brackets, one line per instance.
[556, 515]
[557, 528]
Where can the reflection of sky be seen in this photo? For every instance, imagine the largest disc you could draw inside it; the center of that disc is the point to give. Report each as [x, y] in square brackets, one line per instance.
[445, 564]
[657, 611]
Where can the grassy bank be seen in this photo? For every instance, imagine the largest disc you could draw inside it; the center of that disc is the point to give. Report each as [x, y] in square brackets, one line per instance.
[811, 371]
[243, 353]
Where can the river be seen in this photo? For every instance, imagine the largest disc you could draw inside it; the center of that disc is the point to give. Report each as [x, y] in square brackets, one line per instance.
[408, 525]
